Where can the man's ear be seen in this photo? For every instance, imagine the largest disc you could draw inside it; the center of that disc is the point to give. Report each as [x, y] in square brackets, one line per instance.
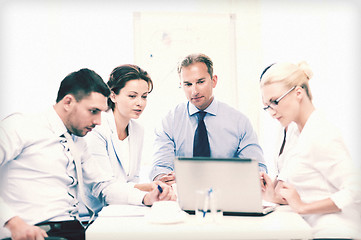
[214, 81]
[68, 102]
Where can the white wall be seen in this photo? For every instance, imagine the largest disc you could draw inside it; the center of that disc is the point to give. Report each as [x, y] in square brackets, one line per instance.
[42, 41]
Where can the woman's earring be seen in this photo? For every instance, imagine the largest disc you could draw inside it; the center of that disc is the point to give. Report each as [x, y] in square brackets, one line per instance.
[112, 97]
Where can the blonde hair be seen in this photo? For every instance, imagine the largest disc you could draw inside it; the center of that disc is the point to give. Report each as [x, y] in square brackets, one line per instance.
[289, 74]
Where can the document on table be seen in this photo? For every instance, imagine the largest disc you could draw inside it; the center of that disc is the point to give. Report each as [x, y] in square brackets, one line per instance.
[124, 211]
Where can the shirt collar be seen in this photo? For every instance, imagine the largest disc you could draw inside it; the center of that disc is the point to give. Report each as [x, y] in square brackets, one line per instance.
[211, 109]
[109, 117]
[55, 122]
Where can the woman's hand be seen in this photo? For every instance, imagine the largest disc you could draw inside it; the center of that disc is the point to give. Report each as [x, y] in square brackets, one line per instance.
[146, 187]
[267, 186]
[288, 192]
[162, 193]
[278, 197]
[270, 189]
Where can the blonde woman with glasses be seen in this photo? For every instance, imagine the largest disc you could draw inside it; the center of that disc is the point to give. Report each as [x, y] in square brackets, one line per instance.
[318, 179]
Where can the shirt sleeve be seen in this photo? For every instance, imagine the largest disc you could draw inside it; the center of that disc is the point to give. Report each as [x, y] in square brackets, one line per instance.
[109, 189]
[164, 149]
[122, 193]
[335, 164]
[248, 145]
[99, 177]
[11, 145]
[6, 213]
[337, 167]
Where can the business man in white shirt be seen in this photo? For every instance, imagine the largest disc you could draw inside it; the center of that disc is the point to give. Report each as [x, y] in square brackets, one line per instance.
[39, 174]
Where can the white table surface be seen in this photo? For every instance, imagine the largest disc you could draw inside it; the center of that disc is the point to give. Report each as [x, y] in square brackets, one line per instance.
[119, 224]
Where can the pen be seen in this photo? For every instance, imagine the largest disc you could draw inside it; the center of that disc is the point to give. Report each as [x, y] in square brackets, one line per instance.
[263, 181]
[160, 189]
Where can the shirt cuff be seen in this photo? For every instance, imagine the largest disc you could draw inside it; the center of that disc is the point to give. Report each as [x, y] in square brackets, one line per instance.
[341, 199]
[6, 213]
[136, 196]
[159, 170]
[262, 167]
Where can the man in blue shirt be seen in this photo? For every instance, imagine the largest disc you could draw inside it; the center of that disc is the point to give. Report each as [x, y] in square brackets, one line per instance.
[230, 133]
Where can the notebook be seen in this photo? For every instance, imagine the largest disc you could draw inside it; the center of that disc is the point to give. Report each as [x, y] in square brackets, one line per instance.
[236, 180]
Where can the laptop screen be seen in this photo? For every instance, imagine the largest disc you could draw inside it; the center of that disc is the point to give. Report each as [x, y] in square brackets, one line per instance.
[236, 181]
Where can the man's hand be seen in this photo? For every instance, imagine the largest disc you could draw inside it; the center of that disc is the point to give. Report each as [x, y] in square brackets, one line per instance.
[166, 194]
[166, 178]
[20, 230]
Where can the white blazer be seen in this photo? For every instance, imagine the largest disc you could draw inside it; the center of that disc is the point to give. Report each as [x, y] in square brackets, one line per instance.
[103, 146]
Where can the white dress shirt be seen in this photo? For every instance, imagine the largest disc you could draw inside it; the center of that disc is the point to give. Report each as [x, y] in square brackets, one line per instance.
[37, 173]
[291, 139]
[319, 167]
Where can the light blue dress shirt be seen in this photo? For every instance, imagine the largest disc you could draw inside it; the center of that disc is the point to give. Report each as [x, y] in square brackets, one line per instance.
[230, 134]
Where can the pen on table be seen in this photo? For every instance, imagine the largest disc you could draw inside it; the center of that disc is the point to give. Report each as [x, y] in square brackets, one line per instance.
[160, 189]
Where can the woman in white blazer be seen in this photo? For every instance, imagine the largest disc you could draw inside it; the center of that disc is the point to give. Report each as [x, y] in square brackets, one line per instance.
[116, 144]
[317, 178]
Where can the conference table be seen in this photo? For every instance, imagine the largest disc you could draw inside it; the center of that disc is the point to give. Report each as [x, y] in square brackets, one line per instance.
[131, 222]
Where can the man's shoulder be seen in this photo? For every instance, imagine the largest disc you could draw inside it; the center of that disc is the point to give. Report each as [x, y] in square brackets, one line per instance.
[28, 127]
[16, 116]
[176, 116]
[225, 108]
[20, 119]
[181, 106]
[179, 109]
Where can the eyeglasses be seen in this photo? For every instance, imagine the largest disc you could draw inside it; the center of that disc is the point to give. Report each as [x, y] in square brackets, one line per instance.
[274, 103]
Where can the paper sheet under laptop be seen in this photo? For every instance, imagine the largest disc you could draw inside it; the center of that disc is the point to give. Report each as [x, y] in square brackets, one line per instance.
[236, 181]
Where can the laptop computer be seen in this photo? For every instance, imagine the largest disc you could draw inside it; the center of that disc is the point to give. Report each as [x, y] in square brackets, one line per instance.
[236, 180]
